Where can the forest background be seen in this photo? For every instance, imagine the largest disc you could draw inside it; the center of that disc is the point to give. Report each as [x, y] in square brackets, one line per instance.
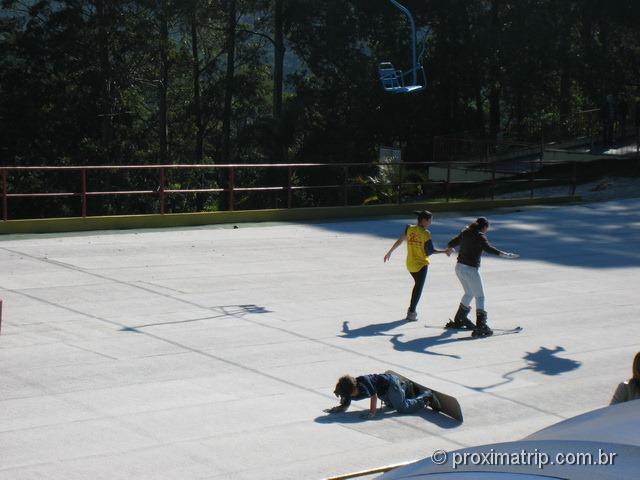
[118, 82]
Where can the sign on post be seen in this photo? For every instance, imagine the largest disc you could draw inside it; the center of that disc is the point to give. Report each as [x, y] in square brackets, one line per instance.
[390, 155]
[389, 158]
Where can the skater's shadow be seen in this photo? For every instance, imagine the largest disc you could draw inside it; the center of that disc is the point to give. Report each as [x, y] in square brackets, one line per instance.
[385, 413]
[543, 361]
[422, 345]
[369, 330]
[223, 311]
[608, 232]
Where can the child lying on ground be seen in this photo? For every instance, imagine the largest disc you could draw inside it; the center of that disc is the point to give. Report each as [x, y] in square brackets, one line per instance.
[390, 389]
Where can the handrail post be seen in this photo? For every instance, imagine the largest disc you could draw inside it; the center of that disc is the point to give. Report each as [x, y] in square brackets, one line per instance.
[574, 177]
[4, 196]
[161, 191]
[289, 185]
[83, 181]
[447, 186]
[231, 188]
[345, 192]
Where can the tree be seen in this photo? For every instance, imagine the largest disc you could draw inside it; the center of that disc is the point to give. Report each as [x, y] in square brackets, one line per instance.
[163, 83]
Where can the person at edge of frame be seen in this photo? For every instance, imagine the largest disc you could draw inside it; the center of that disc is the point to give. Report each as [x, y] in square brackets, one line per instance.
[629, 390]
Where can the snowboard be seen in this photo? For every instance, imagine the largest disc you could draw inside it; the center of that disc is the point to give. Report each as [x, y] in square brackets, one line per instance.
[448, 404]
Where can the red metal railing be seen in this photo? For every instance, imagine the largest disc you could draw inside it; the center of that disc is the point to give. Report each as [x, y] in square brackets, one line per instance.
[395, 182]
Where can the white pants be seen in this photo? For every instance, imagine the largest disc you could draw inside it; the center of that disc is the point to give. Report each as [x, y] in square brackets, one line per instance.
[472, 283]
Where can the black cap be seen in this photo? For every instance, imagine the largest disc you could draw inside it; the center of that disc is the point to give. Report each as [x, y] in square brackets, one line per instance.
[482, 222]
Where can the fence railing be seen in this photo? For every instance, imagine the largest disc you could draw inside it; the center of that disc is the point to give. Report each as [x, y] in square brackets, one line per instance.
[400, 182]
[479, 150]
[582, 124]
[527, 136]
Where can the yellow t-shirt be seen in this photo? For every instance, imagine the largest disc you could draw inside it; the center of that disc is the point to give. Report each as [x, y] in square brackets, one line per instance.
[416, 255]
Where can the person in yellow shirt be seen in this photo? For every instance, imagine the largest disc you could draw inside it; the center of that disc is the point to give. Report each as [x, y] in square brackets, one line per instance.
[419, 247]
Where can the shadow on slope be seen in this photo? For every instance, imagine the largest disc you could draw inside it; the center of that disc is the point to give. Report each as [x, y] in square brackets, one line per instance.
[543, 361]
[356, 416]
[598, 235]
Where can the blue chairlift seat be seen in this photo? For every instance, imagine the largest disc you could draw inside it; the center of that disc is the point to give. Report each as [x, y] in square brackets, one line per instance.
[393, 80]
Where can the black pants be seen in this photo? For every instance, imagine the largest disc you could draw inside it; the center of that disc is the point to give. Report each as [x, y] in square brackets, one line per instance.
[419, 277]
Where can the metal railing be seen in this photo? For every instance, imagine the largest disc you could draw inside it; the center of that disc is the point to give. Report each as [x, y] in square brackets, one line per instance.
[582, 124]
[479, 150]
[396, 184]
[528, 136]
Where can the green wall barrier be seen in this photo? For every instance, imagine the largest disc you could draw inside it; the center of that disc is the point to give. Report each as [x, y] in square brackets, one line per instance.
[121, 222]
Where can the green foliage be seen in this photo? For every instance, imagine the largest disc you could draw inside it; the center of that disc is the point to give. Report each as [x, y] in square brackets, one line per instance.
[83, 82]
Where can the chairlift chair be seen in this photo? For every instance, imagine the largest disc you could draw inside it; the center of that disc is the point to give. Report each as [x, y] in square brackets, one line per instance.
[393, 81]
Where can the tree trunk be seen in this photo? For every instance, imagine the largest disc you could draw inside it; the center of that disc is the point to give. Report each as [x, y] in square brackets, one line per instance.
[479, 105]
[228, 95]
[197, 108]
[565, 92]
[494, 75]
[565, 25]
[605, 56]
[163, 84]
[278, 79]
[223, 175]
[106, 107]
[278, 59]
[494, 109]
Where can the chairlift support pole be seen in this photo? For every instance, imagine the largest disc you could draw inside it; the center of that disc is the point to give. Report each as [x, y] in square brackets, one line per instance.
[414, 58]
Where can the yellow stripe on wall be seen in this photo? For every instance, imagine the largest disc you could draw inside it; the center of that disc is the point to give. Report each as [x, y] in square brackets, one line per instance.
[121, 222]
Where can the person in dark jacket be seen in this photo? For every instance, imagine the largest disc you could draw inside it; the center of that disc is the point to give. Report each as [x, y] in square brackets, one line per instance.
[385, 386]
[472, 242]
